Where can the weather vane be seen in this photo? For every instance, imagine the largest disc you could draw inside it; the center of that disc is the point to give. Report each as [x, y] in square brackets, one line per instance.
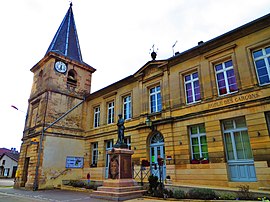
[153, 53]
[173, 47]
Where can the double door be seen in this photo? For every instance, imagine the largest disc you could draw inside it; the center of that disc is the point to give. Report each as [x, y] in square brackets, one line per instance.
[157, 151]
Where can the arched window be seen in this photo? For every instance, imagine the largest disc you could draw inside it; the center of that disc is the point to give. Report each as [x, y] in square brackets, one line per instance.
[157, 138]
[72, 78]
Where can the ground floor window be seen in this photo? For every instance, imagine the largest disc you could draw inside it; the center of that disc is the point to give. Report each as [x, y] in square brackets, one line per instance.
[94, 154]
[127, 141]
[237, 139]
[267, 116]
[198, 141]
[6, 172]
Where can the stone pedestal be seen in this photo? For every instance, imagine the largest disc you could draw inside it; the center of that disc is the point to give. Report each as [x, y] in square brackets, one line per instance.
[119, 186]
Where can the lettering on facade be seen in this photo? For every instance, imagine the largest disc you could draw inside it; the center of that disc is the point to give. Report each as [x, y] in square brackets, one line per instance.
[233, 100]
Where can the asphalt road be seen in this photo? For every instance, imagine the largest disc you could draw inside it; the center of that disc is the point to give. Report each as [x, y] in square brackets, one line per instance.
[8, 194]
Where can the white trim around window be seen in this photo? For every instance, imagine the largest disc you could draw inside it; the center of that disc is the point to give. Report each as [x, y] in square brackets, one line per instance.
[155, 99]
[127, 107]
[96, 116]
[225, 78]
[261, 60]
[192, 88]
[94, 159]
[110, 117]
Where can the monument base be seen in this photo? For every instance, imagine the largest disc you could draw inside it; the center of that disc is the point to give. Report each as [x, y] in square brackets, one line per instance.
[118, 190]
[120, 185]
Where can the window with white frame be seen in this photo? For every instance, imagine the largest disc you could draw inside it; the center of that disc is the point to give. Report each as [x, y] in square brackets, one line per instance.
[127, 141]
[94, 154]
[236, 139]
[192, 88]
[110, 118]
[199, 149]
[96, 117]
[155, 99]
[225, 76]
[127, 107]
[262, 62]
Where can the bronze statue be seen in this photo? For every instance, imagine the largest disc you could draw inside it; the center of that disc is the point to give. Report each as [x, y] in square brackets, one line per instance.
[120, 142]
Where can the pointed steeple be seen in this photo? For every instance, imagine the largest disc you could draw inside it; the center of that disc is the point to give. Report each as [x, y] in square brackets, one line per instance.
[66, 41]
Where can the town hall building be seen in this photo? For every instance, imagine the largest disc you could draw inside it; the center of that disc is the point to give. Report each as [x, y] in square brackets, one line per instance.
[204, 112]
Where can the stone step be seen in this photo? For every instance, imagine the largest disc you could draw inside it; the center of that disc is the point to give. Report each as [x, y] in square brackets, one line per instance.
[117, 196]
[264, 188]
[119, 189]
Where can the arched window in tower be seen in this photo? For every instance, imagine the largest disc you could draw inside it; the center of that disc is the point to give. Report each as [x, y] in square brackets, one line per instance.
[72, 78]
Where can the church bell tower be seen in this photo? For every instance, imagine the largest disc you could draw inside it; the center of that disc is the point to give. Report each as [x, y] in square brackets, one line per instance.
[53, 130]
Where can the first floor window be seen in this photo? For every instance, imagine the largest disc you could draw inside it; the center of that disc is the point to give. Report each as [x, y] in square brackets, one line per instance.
[198, 141]
[225, 77]
[96, 117]
[155, 99]
[237, 139]
[127, 107]
[110, 112]
[262, 62]
[94, 154]
[192, 87]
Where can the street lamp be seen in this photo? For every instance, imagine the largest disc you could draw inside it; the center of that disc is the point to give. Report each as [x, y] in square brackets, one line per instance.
[14, 107]
[149, 123]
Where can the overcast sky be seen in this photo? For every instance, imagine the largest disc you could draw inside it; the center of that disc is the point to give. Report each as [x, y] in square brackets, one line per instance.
[115, 38]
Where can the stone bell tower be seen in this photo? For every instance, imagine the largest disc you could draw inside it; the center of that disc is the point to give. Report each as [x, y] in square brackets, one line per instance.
[61, 82]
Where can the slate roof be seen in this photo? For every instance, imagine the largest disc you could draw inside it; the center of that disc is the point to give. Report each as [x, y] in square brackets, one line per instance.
[4, 150]
[14, 156]
[66, 41]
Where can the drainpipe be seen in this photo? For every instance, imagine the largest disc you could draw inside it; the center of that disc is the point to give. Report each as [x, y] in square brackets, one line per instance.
[35, 186]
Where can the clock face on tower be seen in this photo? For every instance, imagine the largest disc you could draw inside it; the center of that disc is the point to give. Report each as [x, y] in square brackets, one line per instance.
[60, 67]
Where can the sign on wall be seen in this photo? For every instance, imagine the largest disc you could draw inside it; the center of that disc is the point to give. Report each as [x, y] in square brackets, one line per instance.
[74, 162]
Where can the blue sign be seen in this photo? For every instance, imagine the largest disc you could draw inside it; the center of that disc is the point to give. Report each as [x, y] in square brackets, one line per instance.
[74, 162]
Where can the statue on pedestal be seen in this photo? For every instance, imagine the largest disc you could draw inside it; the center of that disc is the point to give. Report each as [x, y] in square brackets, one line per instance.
[120, 141]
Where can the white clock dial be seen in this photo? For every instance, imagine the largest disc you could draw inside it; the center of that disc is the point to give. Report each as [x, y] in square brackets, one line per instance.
[60, 67]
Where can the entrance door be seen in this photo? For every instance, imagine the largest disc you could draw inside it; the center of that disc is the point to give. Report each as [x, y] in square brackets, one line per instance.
[239, 154]
[109, 146]
[157, 150]
[25, 173]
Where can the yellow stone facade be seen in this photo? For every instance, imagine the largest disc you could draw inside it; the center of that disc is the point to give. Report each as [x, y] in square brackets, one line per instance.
[75, 134]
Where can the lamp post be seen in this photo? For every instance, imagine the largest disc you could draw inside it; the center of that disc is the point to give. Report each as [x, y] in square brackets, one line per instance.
[149, 123]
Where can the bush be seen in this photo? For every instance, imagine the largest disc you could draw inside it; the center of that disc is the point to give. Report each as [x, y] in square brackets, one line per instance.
[153, 183]
[91, 186]
[244, 192]
[77, 183]
[158, 193]
[179, 194]
[228, 196]
[199, 193]
[167, 193]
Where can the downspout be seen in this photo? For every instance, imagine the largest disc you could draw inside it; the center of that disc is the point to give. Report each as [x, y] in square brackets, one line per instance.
[35, 187]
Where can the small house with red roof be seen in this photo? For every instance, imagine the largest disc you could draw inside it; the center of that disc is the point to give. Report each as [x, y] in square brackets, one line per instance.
[8, 162]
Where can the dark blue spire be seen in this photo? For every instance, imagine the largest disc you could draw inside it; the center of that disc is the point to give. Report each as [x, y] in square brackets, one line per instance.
[66, 41]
